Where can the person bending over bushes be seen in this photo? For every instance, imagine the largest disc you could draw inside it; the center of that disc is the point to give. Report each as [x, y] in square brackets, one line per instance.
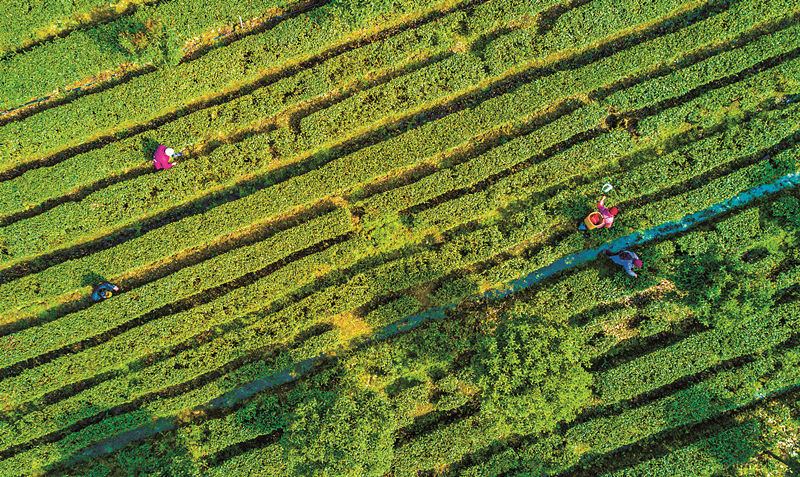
[103, 291]
[162, 156]
[626, 259]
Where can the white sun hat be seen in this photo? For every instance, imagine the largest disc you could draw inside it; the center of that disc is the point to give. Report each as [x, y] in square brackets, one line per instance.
[169, 151]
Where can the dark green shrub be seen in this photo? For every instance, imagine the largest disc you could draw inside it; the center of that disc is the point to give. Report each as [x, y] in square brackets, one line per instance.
[331, 433]
[532, 373]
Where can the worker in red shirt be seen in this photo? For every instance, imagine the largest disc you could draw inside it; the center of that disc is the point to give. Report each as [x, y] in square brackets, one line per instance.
[162, 156]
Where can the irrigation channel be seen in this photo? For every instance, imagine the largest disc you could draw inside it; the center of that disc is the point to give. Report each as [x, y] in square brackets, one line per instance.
[574, 260]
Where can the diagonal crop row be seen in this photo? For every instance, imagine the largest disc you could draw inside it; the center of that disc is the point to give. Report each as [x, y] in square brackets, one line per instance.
[587, 417]
[309, 89]
[665, 391]
[84, 57]
[8, 275]
[412, 207]
[40, 344]
[47, 22]
[700, 450]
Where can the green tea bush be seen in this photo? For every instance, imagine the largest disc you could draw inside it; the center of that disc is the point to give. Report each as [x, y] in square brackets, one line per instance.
[25, 23]
[532, 375]
[339, 432]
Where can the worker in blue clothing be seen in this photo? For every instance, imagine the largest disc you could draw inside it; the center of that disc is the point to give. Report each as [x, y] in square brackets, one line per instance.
[103, 291]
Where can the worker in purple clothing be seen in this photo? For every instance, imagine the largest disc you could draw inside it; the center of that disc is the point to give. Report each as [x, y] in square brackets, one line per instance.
[626, 259]
[162, 156]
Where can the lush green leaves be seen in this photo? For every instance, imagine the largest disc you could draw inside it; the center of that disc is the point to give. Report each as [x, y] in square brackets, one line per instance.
[532, 373]
[340, 432]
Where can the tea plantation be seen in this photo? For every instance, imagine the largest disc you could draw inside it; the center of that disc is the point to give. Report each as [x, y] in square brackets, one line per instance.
[367, 261]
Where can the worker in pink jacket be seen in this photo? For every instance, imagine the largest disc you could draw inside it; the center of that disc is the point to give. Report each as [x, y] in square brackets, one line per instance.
[604, 217]
[608, 214]
[162, 156]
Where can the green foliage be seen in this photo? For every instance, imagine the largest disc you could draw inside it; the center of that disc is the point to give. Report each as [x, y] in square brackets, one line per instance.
[154, 34]
[706, 457]
[532, 374]
[339, 432]
[24, 22]
[421, 400]
[788, 207]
